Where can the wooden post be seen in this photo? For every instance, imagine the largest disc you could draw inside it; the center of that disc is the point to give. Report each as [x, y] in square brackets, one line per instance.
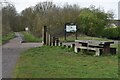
[65, 31]
[69, 46]
[57, 42]
[73, 46]
[64, 46]
[49, 40]
[44, 35]
[76, 32]
[106, 48]
[60, 43]
[65, 35]
[53, 41]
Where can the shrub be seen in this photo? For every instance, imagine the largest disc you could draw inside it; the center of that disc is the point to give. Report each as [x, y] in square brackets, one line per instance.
[111, 33]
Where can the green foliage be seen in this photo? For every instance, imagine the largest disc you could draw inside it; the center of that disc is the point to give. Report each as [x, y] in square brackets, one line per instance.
[28, 37]
[9, 19]
[49, 14]
[55, 62]
[92, 21]
[111, 33]
[7, 37]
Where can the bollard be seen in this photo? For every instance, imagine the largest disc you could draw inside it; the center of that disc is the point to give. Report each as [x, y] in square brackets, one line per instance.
[57, 42]
[49, 43]
[60, 43]
[53, 41]
[69, 46]
[64, 46]
[73, 46]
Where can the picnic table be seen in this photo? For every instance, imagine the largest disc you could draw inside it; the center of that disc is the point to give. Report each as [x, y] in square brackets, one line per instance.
[97, 46]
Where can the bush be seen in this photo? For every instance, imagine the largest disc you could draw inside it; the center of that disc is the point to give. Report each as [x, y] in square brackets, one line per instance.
[111, 33]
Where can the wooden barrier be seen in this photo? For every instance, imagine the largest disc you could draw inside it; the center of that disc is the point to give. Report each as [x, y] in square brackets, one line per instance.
[44, 31]
[57, 41]
[53, 41]
[60, 43]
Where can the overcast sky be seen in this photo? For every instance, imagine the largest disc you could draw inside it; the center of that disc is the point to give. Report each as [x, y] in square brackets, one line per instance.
[105, 4]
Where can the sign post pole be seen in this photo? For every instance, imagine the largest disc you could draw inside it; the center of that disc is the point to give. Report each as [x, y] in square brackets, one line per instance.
[76, 33]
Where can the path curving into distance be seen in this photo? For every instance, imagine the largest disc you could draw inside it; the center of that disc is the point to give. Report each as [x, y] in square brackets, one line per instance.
[11, 52]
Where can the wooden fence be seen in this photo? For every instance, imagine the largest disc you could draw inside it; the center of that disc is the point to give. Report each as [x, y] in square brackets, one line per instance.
[54, 41]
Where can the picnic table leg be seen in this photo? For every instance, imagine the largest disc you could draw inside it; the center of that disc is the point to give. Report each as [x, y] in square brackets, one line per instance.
[75, 49]
[106, 49]
[97, 52]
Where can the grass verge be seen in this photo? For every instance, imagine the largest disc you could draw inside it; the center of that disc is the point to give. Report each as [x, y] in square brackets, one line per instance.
[7, 37]
[82, 37]
[28, 37]
[57, 62]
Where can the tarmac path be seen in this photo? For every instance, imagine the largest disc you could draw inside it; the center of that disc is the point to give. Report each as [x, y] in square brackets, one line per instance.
[11, 52]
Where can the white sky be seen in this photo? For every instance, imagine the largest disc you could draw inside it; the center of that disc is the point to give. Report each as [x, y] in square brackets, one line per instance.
[105, 4]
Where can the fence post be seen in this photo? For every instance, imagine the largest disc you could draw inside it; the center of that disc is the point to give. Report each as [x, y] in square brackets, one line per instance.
[46, 38]
[60, 43]
[44, 35]
[73, 46]
[53, 41]
[49, 40]
[57, 41]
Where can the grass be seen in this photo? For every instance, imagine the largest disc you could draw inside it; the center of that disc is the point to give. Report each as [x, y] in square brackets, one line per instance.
[7, 37]
[28, 37]
[58, 62]
[82, 37]
[0, 40]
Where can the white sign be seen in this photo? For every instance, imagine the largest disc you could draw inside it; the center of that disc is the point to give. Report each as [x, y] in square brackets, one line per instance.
[71, 28]
[26, 29]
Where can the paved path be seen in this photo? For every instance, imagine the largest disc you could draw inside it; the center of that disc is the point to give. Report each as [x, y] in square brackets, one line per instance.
[11, 52]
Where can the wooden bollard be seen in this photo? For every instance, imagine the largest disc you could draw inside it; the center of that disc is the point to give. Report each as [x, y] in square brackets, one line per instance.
[57, 42]
[73, 46]
[44, 34]
[53, 41]
[60, 43]
[64, 46]
[49, 40]
[69, 46]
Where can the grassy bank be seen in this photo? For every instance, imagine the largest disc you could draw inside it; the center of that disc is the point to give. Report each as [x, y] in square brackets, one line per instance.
[28, 37]
[57, 62]
[7, 37]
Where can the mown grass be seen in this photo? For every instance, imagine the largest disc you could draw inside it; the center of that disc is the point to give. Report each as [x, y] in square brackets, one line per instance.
[0, 40]
[7, 37]
[58, 62]
[72, 38]
[28, 37]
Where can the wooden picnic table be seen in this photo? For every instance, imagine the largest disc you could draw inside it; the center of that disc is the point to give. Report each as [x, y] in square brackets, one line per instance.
[94, 45]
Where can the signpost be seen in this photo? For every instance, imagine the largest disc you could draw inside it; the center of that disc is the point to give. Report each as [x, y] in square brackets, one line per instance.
[70, 28]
